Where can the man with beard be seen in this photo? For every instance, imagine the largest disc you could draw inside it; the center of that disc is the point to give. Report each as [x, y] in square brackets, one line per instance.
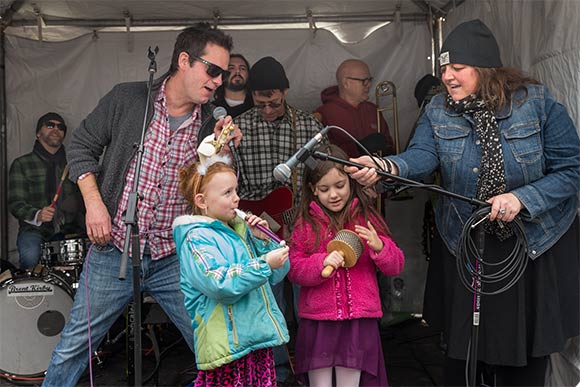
[234, 94]
[34, 181]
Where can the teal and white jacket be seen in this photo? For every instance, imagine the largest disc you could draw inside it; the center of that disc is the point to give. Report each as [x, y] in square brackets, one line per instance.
[226, 283]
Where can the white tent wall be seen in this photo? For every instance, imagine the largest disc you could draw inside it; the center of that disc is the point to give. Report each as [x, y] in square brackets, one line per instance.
[69, 77]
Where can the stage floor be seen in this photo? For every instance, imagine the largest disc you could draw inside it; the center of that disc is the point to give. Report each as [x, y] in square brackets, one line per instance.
[412, 354]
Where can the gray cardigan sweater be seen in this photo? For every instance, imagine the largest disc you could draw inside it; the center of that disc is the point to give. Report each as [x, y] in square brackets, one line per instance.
[115, 127]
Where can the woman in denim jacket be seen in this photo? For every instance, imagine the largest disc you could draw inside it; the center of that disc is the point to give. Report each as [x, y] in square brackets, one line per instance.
[498, 136]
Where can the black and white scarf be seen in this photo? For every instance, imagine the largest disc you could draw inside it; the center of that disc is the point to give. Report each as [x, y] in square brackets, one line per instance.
[53, 163]
[491, 179]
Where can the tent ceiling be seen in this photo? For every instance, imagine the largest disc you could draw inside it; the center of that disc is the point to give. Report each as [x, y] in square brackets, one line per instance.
[107, 13]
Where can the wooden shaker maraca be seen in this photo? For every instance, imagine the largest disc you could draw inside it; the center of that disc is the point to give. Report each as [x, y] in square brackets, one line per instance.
[349, 245]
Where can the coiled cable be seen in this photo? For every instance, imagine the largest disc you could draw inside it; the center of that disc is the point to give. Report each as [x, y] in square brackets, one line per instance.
[471, 266]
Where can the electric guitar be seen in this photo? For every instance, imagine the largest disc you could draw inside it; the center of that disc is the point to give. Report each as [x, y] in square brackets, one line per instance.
[276, 208]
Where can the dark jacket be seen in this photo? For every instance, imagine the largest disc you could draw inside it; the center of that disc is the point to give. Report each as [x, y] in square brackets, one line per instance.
[235, 111]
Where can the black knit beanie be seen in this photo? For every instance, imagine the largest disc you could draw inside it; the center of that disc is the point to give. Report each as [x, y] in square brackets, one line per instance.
[50, 117]
[426, 85]
[471, 43]
[268, 74]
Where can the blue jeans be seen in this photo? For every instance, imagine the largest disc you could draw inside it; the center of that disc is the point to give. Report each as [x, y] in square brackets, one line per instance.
[108, 297]
[29, 245]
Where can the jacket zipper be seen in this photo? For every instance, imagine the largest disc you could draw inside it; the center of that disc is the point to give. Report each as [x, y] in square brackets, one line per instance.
[265, 301]
[234, 331]
[270, 312]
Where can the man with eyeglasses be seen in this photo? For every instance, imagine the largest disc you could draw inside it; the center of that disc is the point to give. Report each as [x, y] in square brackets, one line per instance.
[346, 105]
[273, 132]
[34, 180]
[179, 115]
[234, 95]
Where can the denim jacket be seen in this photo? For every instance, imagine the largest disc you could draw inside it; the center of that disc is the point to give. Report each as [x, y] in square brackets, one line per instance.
[541, 152]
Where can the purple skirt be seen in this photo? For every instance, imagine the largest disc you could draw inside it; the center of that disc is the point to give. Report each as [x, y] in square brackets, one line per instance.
[349, 343]
[255, 369]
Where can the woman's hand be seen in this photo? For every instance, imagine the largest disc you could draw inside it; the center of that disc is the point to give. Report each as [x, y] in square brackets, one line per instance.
[370, 235]
[277, 258]
[334, 259]
[368, 176]
[504, 207]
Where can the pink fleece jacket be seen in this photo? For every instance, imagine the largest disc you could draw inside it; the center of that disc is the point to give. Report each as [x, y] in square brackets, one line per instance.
[349, 293]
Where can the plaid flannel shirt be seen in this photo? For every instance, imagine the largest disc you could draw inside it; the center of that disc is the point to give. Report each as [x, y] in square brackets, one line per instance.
[26, 196]
[165, 153]
[267, 144]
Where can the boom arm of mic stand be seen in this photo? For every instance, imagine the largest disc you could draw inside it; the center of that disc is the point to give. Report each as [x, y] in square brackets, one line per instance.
[413, 183]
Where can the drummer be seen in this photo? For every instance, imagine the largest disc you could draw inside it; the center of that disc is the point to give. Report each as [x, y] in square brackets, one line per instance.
[47, 205]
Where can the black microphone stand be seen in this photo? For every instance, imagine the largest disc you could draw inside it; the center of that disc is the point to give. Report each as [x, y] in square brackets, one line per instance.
[132, 235]
[307, 157]
[323, 156]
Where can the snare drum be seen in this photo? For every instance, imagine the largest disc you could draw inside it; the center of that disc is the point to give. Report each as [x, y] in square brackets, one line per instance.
[68, 252]
[33, 311]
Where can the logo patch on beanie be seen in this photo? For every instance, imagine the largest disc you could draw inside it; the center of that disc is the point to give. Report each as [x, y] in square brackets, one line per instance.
[444, 58]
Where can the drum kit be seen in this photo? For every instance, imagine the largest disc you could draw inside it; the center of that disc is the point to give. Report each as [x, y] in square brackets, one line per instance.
[34, 307]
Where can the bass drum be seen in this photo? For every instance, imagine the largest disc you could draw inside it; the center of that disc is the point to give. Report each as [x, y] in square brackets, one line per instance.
[33, 311]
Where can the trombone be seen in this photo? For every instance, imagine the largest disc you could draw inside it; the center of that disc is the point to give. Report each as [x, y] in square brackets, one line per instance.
[383, 91]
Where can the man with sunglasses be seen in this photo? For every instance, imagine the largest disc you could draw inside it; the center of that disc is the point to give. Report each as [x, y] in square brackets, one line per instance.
[346, 105]
[34, 181]
[179, 115]
[273, 132]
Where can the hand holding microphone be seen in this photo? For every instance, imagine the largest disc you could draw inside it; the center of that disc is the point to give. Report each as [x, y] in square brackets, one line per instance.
[211, 146]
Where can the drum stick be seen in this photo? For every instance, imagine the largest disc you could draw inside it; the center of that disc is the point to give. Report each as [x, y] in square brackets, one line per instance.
[265, 230]
[59, 188]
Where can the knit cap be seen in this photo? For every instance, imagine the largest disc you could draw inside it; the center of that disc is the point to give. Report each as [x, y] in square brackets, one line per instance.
[268, 74]
[471, 43]
[51, 116]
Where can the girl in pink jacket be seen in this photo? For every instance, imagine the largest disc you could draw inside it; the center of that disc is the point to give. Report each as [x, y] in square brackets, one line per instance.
[339, 315]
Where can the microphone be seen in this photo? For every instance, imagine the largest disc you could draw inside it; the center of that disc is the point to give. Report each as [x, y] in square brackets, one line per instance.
[283, 171]
[219, 113]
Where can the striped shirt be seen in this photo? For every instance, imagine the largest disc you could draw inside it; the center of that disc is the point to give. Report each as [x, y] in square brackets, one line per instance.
[165, 152]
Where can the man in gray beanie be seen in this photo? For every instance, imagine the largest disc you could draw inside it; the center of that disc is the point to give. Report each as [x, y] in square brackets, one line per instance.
[47, 205]
[273, 132]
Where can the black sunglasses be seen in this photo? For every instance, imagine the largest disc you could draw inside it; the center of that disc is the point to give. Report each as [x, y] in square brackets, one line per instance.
[212, 69]
[52, 125]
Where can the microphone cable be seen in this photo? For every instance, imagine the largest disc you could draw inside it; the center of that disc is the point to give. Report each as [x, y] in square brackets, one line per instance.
[471, 270]
[471, 265]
